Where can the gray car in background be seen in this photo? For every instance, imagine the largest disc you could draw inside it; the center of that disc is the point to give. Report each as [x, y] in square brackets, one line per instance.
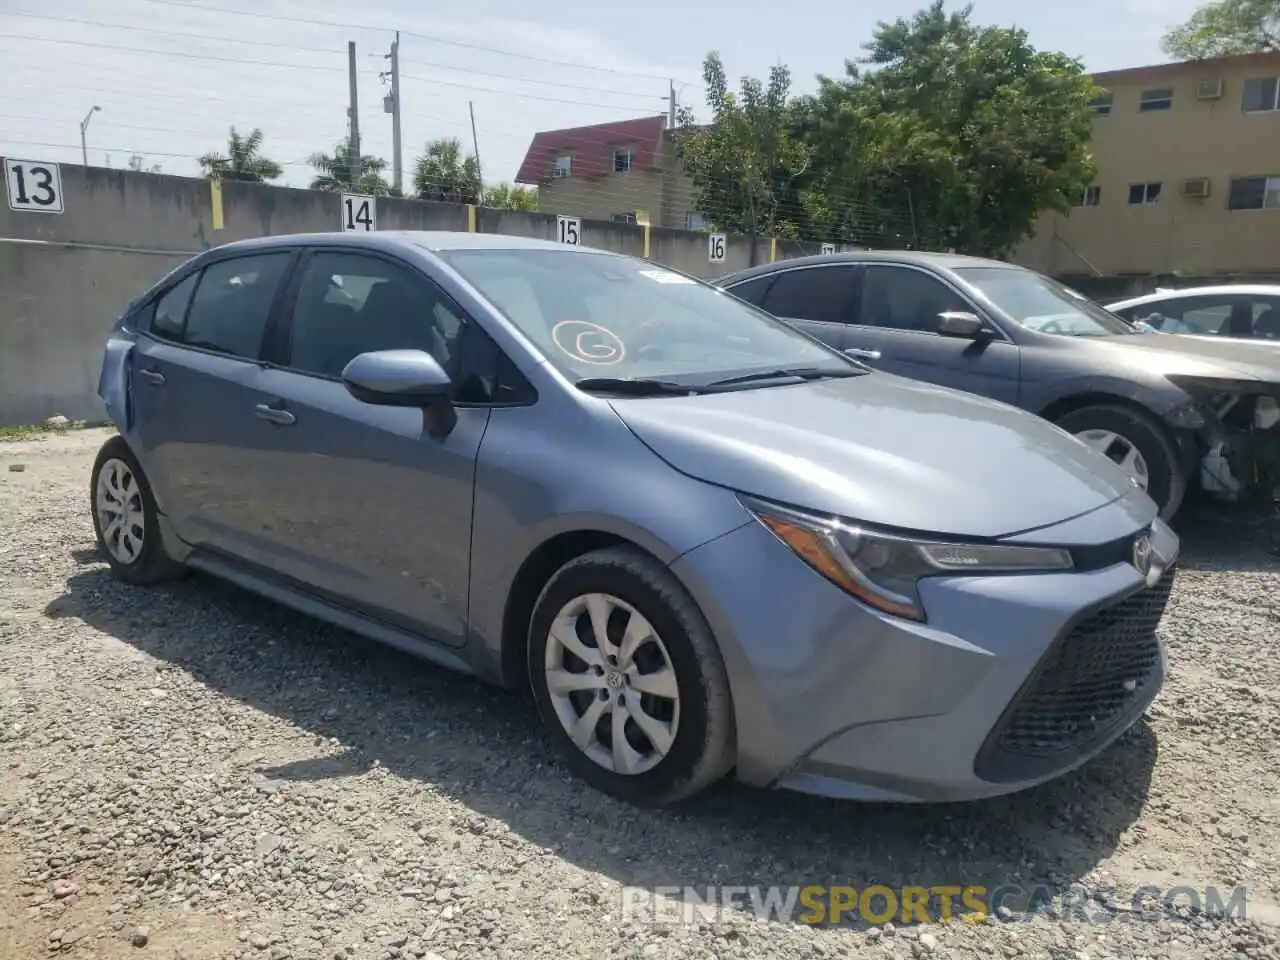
[1173, 412]
[707, 542]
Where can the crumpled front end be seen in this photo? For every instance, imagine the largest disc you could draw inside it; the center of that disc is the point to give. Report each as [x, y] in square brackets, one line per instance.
[1239, 441]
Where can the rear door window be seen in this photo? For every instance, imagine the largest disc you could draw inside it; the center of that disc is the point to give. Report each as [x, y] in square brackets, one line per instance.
[171, 309]
[820, 294]
[232, 304]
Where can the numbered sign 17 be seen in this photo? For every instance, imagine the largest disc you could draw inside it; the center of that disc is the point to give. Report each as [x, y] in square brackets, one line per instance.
[828, 249]
[359, 213]
[33, 186]
[569, 230]
[715, 247]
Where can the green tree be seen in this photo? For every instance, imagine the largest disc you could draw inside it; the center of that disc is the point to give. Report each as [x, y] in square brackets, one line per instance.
[340, 172]
[138, 163]
[958, 139]
[506, 196]
[445, 173]
[1225, 27]
[242, 161]
[747, 163]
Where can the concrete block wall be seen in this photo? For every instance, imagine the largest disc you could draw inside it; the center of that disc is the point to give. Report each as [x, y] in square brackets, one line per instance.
[65, 277]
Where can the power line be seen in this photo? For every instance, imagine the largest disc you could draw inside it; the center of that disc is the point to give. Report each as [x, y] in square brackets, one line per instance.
[408, 33]
[306, 66]
[325, 50]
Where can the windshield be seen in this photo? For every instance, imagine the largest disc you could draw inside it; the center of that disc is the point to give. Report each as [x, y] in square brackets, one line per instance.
[598, 315]
[1041, 304]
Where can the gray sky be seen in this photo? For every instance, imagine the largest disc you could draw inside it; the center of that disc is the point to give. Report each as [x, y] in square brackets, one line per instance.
[579, 62]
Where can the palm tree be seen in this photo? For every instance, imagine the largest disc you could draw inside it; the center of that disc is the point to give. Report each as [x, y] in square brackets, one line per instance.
[244, 160]
[506, 196]
[336, 173]
[443, 173]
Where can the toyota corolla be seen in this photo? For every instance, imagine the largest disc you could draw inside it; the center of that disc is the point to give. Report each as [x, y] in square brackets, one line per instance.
[706, 541]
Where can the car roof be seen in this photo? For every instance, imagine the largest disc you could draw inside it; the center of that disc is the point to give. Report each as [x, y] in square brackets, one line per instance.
[940, 261]
[1217, 290]
[434, 240]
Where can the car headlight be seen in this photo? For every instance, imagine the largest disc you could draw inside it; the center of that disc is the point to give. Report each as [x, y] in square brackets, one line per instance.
[883, 569]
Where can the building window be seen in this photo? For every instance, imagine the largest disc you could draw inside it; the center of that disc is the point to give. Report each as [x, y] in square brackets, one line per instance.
[1101, 104]
[695, 221]
[623, 157]
[1254, 193]
[1161, 98]
[623, 218]
[1261, 95]
[1144, 193]
[1092, 197]
[563, 167]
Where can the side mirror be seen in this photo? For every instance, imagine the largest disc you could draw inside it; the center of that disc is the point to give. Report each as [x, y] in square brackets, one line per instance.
[966, 326]
[397, 378]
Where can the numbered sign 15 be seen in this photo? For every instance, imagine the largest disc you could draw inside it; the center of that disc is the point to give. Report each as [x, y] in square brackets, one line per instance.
[569, 230]
[33, 186]
[828, 249]
[715, 247]
[359, 213]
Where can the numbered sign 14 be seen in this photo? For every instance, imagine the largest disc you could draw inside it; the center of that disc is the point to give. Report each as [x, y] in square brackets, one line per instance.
[828, 249]
[715, 247]
[359, 213]
[33, 186]
[569, 230]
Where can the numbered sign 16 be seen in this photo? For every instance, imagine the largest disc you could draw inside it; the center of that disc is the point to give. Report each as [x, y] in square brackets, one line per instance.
[359, 213]
[715, 247]
[828, 249]
[569, 230]
[33, 186]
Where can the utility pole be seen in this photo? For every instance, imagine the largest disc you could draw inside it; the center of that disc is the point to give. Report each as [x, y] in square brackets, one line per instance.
[391, 105]
[475, 148]
[671, 110]
[353, 166]
[84, 127]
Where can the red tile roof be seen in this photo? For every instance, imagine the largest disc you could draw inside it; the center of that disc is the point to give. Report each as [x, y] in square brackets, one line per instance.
[592, 148]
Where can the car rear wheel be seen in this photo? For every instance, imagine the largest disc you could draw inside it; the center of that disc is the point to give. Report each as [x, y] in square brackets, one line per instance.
[1138, 445]
[125, 518]
[628, 679]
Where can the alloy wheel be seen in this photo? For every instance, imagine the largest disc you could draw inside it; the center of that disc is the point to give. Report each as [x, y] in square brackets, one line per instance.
[1121, 452]
[120, 515]
[612, 684]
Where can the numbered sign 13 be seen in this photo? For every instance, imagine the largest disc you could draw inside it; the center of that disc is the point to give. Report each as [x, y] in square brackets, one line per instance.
[828, 249]
[359, 213]
[33, 185]
[715, 247]
[569, 230]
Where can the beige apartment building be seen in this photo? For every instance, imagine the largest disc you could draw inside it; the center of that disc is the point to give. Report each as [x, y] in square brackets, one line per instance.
[1188, 179]
[621, 171]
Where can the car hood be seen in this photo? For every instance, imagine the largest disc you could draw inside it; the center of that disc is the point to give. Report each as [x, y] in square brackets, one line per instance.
[884, 450]
[1171, 354]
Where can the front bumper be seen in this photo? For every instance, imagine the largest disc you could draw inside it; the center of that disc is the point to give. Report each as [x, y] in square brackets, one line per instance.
[988, 697]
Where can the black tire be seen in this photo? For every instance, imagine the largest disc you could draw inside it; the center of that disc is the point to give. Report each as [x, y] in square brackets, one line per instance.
[1166, 482]
[704, 746]
[152, 564]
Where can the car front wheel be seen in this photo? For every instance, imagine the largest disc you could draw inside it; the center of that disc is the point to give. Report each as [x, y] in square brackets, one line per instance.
[1138, 445]
[125, 517]
[628, 679]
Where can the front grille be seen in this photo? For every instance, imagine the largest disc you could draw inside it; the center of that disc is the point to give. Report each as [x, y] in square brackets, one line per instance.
[1087, 686]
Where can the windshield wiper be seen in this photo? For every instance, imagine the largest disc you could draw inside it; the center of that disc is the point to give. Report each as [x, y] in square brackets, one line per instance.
[786, 373]
[639, 387]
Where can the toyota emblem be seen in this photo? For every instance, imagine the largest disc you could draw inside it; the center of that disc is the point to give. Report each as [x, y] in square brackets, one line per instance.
[1142, 554]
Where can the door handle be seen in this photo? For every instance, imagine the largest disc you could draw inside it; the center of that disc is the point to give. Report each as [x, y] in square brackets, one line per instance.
[274, 415]
[154, 377]
[863, 354]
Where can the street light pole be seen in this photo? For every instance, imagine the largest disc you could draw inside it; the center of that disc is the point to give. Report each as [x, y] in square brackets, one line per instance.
[84, 126]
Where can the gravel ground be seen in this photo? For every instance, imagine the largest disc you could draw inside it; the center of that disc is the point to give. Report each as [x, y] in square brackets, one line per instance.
[191, 772]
